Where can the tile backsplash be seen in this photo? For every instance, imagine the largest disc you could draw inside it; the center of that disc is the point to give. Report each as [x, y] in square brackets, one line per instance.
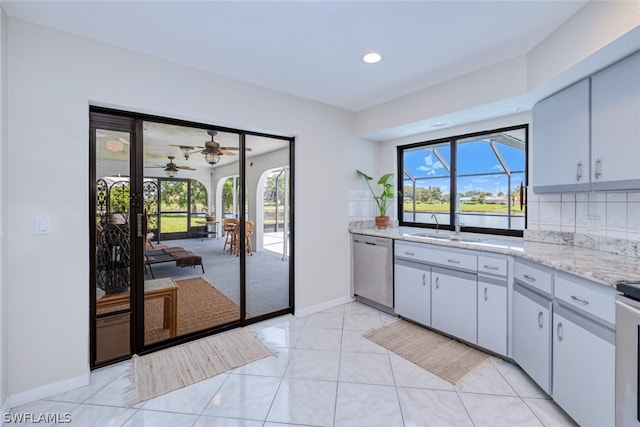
[613, 215]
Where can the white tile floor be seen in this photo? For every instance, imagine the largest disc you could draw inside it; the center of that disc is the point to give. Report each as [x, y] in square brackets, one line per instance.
[325, 374]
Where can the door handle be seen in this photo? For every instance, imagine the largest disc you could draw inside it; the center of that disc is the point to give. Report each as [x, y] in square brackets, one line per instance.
[139, 219]
[540, 320]
[578, 170]
[485, 293]
[598, 172]
[559, 331]
[437, 284]
[424, 276]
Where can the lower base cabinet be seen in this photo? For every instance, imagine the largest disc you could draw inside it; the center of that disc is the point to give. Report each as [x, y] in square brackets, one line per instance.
[492, 316]
[532, 335]
[583, 370]
[412, 291]
[454, 303]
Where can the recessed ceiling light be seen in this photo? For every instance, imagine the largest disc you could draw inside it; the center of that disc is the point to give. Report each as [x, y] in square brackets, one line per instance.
[372, 57]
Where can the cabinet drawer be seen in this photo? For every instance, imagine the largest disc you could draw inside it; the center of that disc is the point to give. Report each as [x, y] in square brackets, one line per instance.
[437, 256]
[532, 276]
[591, 298]
[494, 266]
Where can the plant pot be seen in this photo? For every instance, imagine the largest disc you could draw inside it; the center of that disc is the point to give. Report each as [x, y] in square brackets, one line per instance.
[382, 222]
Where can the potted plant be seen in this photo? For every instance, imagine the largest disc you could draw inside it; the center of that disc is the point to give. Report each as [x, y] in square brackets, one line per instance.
[383, 200]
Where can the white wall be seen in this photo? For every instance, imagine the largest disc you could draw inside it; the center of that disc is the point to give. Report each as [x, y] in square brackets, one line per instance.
[53, 77]
[3, 208]
[598, 34]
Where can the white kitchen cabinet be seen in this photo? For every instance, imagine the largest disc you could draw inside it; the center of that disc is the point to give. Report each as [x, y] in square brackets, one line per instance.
[532, 322]
[560, 135]
[584, 351]
[454, 303]
[615, 126]
[492, 315]
[412, 289]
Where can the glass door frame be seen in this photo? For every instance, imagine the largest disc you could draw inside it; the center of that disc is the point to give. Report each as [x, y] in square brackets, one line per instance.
[105, 118]
[120, 123]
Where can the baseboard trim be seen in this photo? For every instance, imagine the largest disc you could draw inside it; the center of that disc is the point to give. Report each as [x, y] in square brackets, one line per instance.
[323, 306]
[45, 391]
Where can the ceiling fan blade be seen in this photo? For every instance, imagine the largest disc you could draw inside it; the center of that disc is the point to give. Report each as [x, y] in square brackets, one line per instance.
[228, 153]
[188, 168]
[229, 148]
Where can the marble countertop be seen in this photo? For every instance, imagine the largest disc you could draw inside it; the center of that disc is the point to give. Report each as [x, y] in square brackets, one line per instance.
[600, 267]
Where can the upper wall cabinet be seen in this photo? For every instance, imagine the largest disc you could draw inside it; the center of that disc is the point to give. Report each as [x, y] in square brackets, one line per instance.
[587, 136]
[560, 146]
[615, 126]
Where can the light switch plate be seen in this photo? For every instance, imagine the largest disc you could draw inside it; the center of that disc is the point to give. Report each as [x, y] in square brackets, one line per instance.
[43, 225]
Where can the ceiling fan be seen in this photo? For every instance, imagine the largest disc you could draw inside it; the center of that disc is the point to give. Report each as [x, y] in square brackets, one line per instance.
[171, 168]
[212, 150]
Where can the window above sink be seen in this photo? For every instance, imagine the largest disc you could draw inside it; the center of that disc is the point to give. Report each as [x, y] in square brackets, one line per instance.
[486, 173]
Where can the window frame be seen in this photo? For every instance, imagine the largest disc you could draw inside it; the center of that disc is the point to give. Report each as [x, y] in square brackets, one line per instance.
[453, 183]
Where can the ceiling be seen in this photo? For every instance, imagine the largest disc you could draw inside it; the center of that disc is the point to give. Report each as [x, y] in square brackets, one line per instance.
[314, 49]
[161, 140]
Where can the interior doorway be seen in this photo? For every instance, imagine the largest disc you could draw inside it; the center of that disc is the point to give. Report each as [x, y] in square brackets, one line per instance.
[164, 269]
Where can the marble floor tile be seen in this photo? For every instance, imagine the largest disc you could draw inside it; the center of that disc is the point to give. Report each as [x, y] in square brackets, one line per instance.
[549, 413]
[361, 321]
[367, 405]
[244, 396]
[113, 394]
[279, 336]
[144, 418]
[320, 339]
[87, 415]
[324, 320]
[423, 408]
[492, 411]
[407, 374]
[313, 364]
[271, 366]
[358, 307]
[304, 402]
[41, 408]
[365, 368]
[99, 379]
[323, 373]
[207, 421]
[523, 385]
[485, 379]
[192, 399]
[354, 342]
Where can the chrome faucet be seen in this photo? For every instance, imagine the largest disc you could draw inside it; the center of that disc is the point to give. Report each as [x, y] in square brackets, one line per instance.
[435, 218]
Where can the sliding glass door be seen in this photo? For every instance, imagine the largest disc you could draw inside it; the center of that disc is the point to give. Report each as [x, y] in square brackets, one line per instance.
[193, 231]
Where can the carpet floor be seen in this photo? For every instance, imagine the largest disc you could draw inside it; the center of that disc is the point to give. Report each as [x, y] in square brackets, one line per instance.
[447, 358]
[200, 306]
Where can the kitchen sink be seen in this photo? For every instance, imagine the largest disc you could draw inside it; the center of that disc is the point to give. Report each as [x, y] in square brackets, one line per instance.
[449, 237]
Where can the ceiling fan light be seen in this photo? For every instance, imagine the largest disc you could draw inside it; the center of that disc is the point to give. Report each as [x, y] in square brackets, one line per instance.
[115, 145]
[170, 173]
[212, 158]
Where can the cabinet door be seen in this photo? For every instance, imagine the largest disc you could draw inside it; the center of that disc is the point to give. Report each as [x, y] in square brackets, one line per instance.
[492, 317]
[413, 293]
[532, 336]
[454, 303]
[560, 141]
[583, 374]
[615, 126]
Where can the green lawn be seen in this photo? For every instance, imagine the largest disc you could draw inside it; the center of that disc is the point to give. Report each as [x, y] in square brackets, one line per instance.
[464, 208]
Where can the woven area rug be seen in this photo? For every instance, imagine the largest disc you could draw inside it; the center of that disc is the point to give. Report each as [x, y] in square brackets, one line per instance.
[200, 306]
[445, 357]
[176, 367]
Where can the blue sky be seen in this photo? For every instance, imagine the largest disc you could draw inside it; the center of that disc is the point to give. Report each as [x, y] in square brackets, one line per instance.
[473, 158]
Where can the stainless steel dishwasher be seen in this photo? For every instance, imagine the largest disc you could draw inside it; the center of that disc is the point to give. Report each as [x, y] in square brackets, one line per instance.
[373, 271]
